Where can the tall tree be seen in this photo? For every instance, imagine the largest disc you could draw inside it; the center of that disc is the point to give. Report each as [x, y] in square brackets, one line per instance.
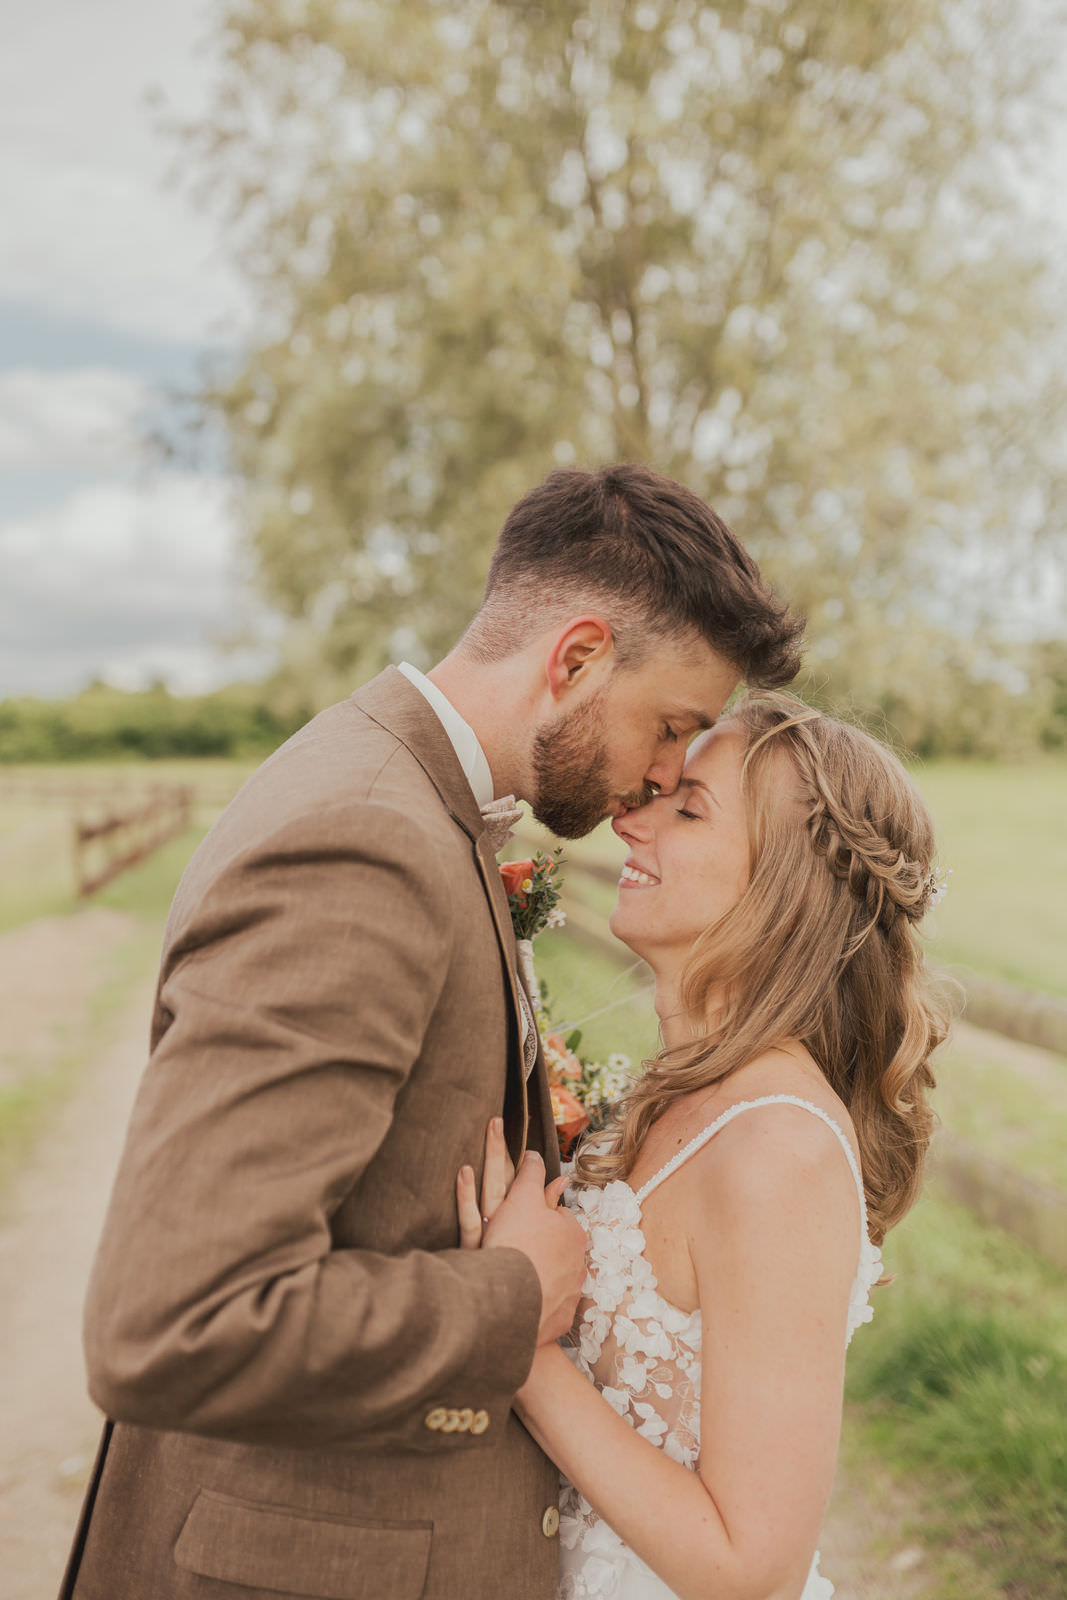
[773, 247]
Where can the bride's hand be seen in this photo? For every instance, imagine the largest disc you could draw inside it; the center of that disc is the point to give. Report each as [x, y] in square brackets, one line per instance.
[497, 1176]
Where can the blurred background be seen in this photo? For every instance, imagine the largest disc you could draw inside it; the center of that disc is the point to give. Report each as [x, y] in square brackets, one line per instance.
[297, 297]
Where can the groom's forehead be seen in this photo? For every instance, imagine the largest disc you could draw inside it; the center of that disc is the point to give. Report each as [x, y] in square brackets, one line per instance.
[690, 692]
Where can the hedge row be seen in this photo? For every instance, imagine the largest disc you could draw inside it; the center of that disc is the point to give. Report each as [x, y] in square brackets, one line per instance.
[104, 723]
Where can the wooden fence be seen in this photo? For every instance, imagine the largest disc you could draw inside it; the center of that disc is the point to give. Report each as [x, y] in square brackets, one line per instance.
[118, 839]
[116, 823]
[1038, 1019]
[1034, 1212]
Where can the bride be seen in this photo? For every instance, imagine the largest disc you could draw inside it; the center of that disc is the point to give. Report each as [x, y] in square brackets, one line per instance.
[734, 1209]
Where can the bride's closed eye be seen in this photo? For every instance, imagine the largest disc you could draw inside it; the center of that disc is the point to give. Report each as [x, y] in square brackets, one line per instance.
[694, 816]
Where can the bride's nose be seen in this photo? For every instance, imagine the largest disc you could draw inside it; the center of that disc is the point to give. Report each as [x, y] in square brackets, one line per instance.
[634, 826]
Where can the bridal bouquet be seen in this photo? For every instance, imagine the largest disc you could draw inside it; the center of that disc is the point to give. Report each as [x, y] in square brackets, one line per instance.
[582, 1091]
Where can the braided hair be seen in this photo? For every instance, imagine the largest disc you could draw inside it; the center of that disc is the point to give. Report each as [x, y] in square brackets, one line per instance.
[823, 946]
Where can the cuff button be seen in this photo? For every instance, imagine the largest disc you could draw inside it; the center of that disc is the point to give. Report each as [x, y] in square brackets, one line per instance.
[479, 1422]
[436, 1419]
[451, 1422]
[466, 1420]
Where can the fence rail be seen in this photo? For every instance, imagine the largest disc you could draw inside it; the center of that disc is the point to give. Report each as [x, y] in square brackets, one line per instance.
[109, 844]
[1031, 1211]
[1023, 1014]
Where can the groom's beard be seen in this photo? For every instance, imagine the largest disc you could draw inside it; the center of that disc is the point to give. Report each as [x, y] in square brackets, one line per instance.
[572, 792]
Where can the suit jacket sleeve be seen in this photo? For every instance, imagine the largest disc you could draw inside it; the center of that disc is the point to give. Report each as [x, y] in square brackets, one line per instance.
[218, 1303]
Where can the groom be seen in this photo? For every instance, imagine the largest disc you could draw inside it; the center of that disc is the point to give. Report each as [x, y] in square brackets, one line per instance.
[308, 1383]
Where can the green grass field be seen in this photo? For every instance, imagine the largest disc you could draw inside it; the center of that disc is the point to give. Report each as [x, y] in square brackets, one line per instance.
[1003, 831]
[1008, 1101]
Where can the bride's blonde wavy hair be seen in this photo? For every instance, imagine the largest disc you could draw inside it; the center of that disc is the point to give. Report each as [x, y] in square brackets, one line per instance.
[823, 947]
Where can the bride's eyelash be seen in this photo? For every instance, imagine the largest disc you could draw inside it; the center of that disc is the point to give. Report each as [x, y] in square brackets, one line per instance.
[692, 815]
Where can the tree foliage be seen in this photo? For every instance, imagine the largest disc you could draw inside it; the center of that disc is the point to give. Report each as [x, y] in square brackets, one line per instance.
[776, 248]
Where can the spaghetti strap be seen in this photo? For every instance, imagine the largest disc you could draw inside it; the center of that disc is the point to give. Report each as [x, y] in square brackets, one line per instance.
[748, 1105]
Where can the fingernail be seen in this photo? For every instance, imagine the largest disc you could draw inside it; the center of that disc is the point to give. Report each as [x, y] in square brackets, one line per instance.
[498, 1125]
[467, 1174]
[532, 1155]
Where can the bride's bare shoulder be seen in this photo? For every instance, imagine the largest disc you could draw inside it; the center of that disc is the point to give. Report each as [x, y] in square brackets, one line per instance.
[768, 1138]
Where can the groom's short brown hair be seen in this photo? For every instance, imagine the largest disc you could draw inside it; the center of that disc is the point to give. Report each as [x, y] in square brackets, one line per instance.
[659, 560]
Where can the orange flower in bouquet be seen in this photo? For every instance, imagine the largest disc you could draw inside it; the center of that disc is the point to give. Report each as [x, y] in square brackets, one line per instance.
[570, 1116]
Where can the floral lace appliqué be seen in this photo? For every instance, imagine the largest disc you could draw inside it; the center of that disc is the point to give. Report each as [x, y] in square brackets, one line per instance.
[643, 1354]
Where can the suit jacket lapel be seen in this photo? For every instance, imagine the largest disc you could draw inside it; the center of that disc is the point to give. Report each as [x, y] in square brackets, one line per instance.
[398, 706]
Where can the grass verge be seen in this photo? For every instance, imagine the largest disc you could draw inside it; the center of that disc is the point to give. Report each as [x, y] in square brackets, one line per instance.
[145, 892]
[27, 1104]
[961, 1380]
[1000, 828]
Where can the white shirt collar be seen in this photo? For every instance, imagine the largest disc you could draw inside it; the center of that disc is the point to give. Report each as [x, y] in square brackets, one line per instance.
[464, 739]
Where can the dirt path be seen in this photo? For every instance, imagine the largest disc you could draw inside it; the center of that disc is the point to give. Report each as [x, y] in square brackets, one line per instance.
[865, 1548]
[51, 1221]
[50, 971]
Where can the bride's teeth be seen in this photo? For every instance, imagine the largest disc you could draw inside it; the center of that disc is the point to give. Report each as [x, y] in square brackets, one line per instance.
[633, 876]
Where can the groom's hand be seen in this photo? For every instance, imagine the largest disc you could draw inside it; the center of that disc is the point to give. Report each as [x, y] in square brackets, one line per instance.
[528, 1219]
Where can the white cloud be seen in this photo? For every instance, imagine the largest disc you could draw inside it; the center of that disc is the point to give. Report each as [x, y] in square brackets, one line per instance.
[92, 419]
[124, 581]
[90, 230]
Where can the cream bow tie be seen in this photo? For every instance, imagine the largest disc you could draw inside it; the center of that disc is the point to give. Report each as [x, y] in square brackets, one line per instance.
[500, 817]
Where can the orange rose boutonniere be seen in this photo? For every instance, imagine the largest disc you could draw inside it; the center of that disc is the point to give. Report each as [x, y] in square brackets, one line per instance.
[532, 889]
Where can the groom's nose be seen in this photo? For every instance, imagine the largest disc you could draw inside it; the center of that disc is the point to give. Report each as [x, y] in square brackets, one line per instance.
[665, 772]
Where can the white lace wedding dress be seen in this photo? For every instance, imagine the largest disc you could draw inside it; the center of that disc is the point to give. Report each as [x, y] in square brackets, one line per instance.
[643, 1354]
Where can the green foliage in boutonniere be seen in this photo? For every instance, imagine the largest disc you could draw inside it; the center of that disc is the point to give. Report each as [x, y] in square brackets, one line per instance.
[533, 890]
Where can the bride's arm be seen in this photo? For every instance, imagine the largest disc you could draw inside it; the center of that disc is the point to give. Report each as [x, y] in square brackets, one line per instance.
[775, 1251]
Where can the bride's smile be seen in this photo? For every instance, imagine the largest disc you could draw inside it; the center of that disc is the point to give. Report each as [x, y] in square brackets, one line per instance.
[689, 854]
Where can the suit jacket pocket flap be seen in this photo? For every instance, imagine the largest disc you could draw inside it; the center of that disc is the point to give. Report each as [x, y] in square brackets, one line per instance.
[288, 1552]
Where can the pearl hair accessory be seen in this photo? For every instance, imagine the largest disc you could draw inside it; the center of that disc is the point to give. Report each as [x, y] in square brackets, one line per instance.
[935, 888]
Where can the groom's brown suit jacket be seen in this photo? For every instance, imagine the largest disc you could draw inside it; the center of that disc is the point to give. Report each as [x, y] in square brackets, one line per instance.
[309, 1383]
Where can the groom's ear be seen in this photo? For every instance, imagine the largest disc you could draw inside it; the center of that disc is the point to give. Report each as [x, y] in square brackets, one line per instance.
[584, 649]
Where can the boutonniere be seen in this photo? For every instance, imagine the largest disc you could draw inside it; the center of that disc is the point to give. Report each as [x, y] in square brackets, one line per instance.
[532, 888]
[583, 1091]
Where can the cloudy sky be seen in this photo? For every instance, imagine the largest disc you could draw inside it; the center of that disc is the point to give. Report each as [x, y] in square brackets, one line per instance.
[112, 286]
